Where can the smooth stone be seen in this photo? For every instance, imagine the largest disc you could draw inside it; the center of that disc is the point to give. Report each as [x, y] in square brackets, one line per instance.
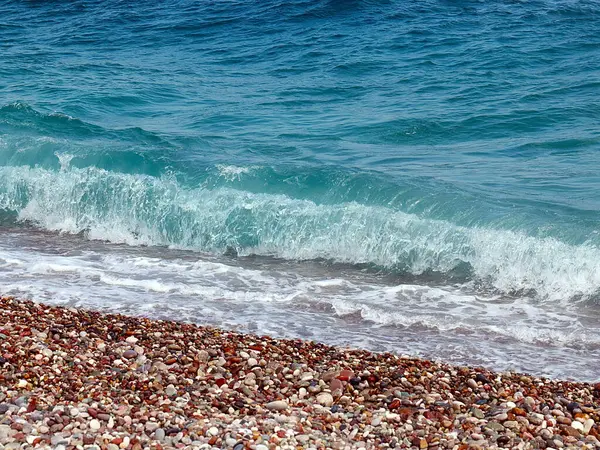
[587, 425]
[36, 416]
[494, 426]
[170, 390]
[278, 405]
[213, 431]
[22, 402]
[131, 340]
[129, 354]
[4, 430]
[482, 378]
[336, 385]
[94, 425]
[58, 439]
[307, 376]
[476, 412]
[345, 375]
[577, 425]
[303, 438]
[252, 362]
[159, 434]
[325, 399]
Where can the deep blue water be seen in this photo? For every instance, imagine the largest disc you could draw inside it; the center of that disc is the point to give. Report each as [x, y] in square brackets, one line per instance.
[432, 144]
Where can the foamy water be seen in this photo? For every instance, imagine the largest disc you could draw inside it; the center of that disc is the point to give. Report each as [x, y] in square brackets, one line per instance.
[318, 301]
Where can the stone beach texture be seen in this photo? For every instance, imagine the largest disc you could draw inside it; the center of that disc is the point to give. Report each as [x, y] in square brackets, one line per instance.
[82, 379]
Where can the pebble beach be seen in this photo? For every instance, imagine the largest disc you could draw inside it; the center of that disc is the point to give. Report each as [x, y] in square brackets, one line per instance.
[74, 378]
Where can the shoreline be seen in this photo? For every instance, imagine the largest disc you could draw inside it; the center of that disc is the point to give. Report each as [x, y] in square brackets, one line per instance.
[76, 378]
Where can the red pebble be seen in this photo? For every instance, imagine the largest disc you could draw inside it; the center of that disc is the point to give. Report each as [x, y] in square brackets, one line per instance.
[345, 375]
[32, 405]
[220, 382]
[395, 404]
[19, 436]
[336, 385]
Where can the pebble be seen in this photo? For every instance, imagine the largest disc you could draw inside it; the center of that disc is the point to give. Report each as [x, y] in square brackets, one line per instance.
[278, 405]
[325, 399]
[130, 354]
[171, 390]
[159, 434]
[587, 425]
[237, 391]
[252, 362]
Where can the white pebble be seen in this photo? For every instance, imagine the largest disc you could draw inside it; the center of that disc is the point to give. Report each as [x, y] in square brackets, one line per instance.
[278, 405]
[132, 340]
[577, 425]
[170, 390]
[252, 362]
[325, 399]
[587, 425]
[94, 425]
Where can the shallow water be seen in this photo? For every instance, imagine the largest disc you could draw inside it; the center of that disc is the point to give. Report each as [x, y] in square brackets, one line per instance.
[419, 177]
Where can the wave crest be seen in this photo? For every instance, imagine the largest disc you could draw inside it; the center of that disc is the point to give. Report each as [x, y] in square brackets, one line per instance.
[141, 209]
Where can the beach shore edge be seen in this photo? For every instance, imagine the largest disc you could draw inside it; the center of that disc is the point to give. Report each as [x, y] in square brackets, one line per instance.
[77, 378]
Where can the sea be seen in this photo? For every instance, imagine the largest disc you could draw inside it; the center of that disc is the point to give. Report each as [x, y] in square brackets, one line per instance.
[413, 176]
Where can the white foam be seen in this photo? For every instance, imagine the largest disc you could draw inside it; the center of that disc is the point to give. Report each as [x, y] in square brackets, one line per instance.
[64, 160]
[445, 320]
[144, 210]
[231, 173]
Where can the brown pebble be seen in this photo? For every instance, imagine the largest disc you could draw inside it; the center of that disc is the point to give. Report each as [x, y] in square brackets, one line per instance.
[130, 354]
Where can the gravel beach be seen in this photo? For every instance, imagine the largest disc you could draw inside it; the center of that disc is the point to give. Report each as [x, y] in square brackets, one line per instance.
[82, 379]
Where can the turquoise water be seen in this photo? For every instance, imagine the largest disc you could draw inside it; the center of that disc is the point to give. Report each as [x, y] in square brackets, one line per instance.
[439, 147]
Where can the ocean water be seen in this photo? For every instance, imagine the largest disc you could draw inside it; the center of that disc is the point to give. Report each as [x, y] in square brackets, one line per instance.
[415, 176]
